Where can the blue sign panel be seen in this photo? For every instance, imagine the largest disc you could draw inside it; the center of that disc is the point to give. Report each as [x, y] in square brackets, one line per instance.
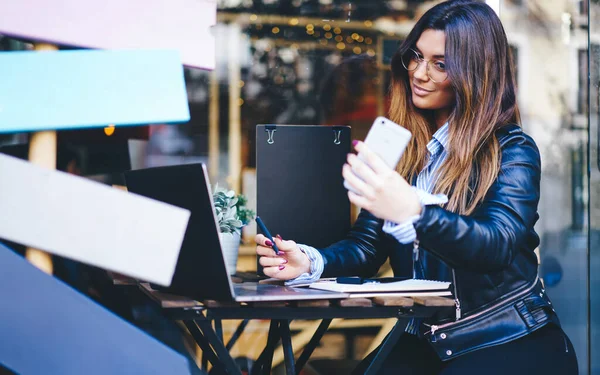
[49, 328]
[90, 88]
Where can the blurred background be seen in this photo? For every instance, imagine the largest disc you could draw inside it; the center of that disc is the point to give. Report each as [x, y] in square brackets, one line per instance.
[326, 62]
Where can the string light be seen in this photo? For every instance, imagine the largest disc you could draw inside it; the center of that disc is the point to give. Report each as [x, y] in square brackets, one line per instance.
[275, 30]
[109, 130]
[337, 30]
[340, 45]
[253, 17]
[294, 21]
[357, 50]
[339, 38]
[328, 35]
[326, 27]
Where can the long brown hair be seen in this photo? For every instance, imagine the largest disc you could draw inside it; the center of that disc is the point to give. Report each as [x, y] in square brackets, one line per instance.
[479, 65]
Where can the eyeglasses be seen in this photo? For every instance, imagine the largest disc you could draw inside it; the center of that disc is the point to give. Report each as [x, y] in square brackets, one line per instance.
[436, 69]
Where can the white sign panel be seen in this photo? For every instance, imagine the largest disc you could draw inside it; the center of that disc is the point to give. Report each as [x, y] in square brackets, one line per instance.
[89, 222]
[117, 24]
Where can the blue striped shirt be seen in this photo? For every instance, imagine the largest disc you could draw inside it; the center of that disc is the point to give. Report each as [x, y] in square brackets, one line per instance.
[437, 147]
[403, 232]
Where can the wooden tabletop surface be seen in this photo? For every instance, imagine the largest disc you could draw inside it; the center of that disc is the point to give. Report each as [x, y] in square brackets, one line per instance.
[167, 300]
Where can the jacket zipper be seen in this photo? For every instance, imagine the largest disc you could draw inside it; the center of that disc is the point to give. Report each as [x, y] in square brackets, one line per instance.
[415, 257]
[455, 286]
[434, 328]
[456, 300]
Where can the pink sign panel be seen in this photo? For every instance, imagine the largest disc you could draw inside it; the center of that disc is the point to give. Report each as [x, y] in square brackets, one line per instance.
[117, 24]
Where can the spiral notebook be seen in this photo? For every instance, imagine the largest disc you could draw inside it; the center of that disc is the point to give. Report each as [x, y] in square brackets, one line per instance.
[300, 188]
[411, 287]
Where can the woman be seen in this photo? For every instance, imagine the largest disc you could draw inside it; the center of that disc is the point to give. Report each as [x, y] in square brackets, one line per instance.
[469, 216]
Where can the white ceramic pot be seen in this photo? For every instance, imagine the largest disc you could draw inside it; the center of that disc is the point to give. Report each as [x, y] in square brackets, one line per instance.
[230, 243]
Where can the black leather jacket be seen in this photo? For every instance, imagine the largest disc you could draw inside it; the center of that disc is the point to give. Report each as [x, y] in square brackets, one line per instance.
[487, 255]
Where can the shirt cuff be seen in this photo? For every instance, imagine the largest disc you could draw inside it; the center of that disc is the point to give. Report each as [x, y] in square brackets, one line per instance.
[427, 198]
[405, 232]
[316, 267]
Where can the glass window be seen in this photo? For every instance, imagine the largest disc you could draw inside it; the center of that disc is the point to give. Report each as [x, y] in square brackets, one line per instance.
[552, 62]
[594, 184]
[326, 62]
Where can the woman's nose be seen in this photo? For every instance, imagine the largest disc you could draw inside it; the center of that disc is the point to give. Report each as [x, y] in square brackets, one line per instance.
[421, 72]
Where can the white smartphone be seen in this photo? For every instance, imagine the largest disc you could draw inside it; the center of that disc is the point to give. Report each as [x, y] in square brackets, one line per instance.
[388, 140]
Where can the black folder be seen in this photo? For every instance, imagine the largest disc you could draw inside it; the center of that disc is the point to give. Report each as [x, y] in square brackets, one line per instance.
[300, 188]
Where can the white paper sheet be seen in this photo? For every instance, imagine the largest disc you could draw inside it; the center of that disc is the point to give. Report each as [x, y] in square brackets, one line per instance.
[405, 286]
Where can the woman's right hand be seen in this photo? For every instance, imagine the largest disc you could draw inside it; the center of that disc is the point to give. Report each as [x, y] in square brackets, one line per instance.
[289, 264]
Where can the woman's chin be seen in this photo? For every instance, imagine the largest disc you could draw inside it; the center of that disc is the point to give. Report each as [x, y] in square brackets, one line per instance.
[421, 102]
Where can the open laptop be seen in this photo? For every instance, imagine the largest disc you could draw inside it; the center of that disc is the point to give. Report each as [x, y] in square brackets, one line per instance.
[200, 272]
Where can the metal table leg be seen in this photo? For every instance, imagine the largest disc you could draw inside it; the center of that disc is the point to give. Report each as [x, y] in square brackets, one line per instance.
[385, 348]
[236, 335]
[207, 353]
[312, 344]
[286, 343]
[220, 350]
[265, 360]
[204, 357]
[219, 329]
[204, 361]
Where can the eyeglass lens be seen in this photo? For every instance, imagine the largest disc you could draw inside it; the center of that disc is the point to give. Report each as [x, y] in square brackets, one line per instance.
[436, 69]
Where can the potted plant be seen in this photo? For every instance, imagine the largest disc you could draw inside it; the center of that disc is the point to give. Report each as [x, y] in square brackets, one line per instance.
[232, 214]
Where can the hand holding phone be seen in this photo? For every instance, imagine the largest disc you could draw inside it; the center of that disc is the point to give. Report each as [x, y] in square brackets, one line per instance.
[379, 188]
[388, 140]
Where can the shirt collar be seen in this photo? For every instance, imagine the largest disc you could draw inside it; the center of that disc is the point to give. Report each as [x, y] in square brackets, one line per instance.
[439, 140]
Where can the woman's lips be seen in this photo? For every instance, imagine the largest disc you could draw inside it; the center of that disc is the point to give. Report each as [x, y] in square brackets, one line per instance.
[420, 90]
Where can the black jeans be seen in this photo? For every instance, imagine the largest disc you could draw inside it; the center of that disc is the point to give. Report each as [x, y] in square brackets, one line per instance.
[547, 351]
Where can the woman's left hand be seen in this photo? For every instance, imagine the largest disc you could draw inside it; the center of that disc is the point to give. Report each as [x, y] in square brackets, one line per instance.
[379, 189]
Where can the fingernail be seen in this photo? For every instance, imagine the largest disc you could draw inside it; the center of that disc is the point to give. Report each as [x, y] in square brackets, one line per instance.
[278, 236]
[281, 267]
[269, 243]
[284, 261]
[354, 142]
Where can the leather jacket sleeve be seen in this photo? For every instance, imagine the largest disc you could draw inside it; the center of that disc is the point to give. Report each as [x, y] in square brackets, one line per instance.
[358, 254]
[485, 241]
[490, 238]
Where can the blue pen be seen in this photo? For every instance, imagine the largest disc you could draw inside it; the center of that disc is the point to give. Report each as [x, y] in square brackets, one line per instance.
[265, 231]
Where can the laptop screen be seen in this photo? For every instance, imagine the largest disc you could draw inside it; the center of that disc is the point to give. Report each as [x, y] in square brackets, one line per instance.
[200, 272]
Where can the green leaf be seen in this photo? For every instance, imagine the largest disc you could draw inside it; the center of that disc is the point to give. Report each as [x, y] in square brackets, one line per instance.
[230, 210]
